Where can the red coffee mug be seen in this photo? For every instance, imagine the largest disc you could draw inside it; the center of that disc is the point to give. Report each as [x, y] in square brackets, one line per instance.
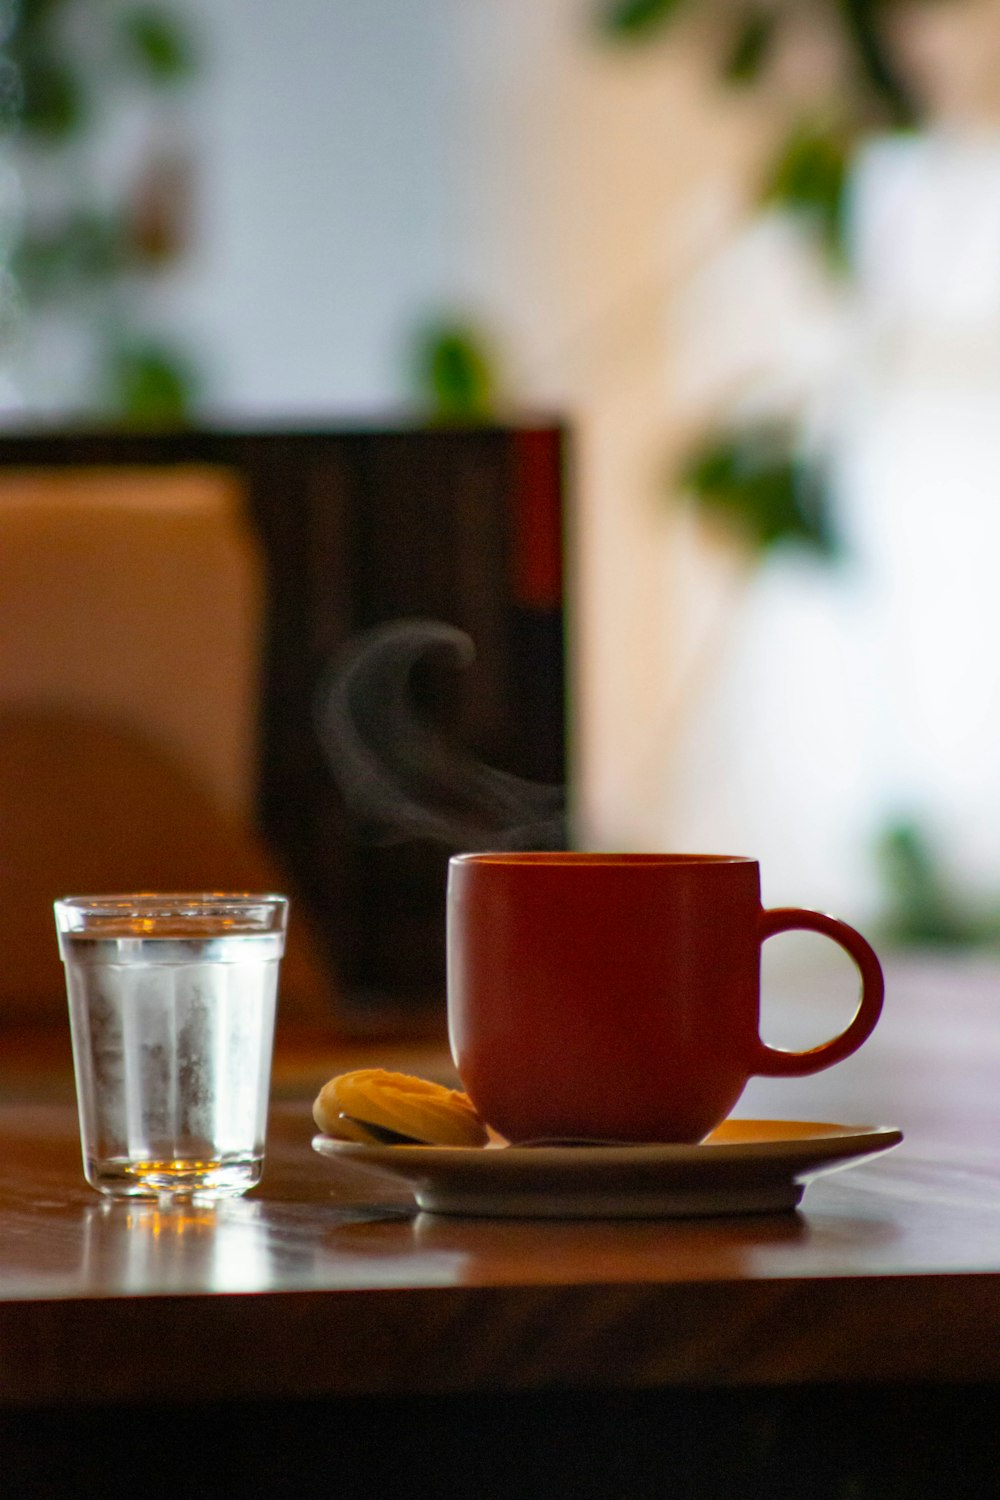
[618, 995]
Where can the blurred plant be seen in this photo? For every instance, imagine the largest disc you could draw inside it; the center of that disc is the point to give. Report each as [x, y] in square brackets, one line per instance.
[807, 178]
[455, 374]
[760, 475]
[922, 907]
[757, 482]
[82, 256]
[750, 30]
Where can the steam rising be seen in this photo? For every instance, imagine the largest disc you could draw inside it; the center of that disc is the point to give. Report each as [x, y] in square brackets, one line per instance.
[400, 775]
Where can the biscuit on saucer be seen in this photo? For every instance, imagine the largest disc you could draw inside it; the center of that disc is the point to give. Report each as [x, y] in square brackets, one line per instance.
[397, 1101]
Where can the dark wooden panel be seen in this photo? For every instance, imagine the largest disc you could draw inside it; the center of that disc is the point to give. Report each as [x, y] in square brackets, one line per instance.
[462, 527]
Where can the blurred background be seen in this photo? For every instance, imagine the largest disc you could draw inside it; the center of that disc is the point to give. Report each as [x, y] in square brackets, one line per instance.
[748, 251]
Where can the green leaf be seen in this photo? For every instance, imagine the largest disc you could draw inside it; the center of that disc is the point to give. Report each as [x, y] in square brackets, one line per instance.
[84, 249]
[35, 16]
[756, 482]
[922, 909]
[11, 95]
[869, 42]
[157, 44]
[635, 19]
[53, 102]
[809, 178]
[455, 376]
[751, 48]
[149, 384]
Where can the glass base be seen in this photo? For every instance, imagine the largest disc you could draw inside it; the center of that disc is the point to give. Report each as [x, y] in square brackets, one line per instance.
[180, 1178]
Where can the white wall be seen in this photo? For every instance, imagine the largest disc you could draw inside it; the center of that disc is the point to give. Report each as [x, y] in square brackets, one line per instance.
[324, 203]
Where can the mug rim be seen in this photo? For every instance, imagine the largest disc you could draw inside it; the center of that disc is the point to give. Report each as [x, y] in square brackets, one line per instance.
[589, 858]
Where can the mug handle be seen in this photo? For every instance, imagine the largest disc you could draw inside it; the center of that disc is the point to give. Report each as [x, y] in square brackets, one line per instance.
[774, 1062]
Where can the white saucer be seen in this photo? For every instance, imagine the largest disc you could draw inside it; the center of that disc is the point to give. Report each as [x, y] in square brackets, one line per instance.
[745, 1166]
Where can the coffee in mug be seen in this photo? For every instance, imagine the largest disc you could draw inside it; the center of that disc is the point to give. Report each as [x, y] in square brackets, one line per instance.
[618, 995]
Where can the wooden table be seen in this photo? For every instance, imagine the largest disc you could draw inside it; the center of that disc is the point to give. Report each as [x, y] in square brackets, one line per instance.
[318, 1328]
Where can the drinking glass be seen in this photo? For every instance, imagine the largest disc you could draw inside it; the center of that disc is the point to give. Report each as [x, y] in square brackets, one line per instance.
[172, 1002]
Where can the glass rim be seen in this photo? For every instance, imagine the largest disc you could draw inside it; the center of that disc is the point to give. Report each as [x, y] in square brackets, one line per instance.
[115, 900]
[262, 911]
